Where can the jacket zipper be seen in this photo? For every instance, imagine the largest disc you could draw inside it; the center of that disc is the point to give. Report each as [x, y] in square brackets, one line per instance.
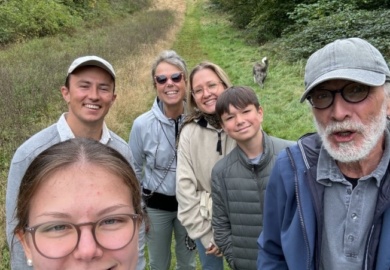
[299, 208]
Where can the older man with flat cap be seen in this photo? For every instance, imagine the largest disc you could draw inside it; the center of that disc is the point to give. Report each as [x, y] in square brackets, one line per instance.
[89, 91]
[327, 204]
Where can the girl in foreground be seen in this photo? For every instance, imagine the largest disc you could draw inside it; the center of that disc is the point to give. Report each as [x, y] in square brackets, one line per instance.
[79, 207]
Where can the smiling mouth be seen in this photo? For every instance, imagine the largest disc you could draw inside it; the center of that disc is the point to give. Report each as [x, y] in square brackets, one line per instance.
[242, 129]
[92, 106]
[210, 102]
[174, 92]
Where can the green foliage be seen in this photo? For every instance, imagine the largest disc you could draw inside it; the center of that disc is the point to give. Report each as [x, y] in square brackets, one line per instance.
[270, 18]
[306, 25]
[25, 19]
[21, 20]
[304, 13]
[319, 24]
[263, 20]
[32, 73]
[208, 35]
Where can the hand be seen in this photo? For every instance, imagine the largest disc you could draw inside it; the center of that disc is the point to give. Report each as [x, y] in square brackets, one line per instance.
[213, 250]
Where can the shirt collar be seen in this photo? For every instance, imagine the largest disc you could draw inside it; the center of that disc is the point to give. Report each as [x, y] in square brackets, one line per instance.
[66, 133]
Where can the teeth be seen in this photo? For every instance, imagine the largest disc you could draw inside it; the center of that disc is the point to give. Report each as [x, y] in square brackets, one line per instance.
[171, 92]
[90, 106]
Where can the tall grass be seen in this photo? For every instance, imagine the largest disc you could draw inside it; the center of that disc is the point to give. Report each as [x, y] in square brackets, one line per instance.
[208, 35]
[31, 75]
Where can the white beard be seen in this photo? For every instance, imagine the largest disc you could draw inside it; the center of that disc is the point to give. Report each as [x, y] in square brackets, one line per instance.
[350, 152]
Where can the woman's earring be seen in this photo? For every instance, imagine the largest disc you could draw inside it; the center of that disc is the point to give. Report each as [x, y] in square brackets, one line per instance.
[29, 262]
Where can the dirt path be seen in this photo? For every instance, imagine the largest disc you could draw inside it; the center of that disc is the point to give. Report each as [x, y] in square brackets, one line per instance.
[134, 87]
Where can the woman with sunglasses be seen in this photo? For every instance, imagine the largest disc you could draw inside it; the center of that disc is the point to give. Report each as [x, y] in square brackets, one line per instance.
[153, 144]
[202, 143]
[79, 207]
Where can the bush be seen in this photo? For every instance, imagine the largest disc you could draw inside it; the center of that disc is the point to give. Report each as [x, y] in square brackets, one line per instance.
[21, 20]
[300, 41]
[26, 19]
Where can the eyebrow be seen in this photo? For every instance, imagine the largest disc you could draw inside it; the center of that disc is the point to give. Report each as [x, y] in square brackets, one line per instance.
[112, 209]
[102, 212]
[89, 82]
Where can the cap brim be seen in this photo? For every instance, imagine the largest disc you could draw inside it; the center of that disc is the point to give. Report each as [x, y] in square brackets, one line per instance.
[95, 63]
[370, 78]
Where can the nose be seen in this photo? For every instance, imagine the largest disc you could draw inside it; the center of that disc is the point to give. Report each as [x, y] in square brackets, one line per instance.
[239, 119]
[87, 248]
[170, 82]
[206, 92]
[94, 93]
[340, 108]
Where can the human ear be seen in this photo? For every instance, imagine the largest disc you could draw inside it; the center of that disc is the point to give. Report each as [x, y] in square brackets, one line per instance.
[113, 99]
[261, 113]
[65, 94]
[25, 243]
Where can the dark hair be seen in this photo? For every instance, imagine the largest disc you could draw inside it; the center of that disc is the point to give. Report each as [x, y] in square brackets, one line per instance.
[214, 68]
[66, 154]
[237, 96]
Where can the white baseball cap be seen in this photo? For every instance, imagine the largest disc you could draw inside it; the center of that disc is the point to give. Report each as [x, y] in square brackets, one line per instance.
[91, 60]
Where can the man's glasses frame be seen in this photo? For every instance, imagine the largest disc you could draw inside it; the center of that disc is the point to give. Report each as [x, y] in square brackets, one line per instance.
[353, 93]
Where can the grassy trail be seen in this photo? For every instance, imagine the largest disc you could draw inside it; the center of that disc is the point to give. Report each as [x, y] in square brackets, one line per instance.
[32, 74]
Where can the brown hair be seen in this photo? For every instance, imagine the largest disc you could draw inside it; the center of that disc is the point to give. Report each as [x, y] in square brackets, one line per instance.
[237, 96]
[65, 154]
[214, 68]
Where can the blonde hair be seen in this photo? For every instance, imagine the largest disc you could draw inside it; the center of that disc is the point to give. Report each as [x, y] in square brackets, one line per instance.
[214, 68]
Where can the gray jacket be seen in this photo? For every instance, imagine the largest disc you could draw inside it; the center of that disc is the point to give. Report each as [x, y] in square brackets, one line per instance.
[153, 144]
[238, 189]
[22, 158]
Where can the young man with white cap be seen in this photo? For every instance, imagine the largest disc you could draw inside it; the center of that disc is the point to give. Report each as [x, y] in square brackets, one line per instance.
[89, 91]
[327, 204]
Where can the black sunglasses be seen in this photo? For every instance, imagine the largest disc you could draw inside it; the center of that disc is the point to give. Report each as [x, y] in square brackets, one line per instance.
[175, 77]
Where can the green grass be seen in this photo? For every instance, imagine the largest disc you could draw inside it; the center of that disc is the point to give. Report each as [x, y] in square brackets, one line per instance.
[32, 73]
[207, 34]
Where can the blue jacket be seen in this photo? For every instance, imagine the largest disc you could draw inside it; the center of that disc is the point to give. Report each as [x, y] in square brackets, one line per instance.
[293, 214]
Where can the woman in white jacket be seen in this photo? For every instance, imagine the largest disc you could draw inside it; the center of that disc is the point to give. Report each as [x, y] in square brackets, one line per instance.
[201, 144]
[153, 144]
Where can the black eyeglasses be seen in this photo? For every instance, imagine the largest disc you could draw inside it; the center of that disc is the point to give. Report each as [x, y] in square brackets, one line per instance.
[58, 239]
[175, 77]
[352, 93]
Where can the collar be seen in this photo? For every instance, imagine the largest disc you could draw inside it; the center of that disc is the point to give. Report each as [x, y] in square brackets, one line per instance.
[265, 155]
[66, 133]
[328, 171]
